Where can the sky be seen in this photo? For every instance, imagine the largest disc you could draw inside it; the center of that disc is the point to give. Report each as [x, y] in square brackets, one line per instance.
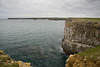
[49, 8]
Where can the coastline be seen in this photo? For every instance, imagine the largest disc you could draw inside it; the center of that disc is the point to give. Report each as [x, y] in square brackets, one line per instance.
[7, 61]
[82, 42]
[41, 18]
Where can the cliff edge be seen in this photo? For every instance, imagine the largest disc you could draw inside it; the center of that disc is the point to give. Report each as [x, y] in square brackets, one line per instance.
[7, 61]
[88, 58]
[80, 34]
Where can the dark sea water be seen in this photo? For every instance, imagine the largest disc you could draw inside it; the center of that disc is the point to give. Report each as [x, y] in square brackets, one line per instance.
[35, 41]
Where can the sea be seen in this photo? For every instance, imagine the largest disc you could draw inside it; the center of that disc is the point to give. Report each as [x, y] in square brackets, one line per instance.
[34, 41]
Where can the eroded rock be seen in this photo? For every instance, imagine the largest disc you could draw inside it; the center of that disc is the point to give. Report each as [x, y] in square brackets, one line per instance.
[79, 61]
[7, 61]
[80, 35]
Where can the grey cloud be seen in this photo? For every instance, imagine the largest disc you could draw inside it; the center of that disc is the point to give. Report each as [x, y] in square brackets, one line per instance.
[59, 8]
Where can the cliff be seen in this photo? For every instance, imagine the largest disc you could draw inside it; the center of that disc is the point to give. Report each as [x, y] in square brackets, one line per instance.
[80, 34]
[88, 58]
[7, 61]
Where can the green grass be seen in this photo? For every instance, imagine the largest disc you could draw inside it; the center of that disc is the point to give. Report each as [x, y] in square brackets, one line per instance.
[93, 53]
[5, 61]
[9, 65]
[89, 18]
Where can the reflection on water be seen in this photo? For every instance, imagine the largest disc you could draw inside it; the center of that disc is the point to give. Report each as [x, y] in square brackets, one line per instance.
[37, 42]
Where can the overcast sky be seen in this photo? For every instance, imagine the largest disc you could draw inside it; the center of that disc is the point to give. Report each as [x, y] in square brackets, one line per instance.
[49, 8]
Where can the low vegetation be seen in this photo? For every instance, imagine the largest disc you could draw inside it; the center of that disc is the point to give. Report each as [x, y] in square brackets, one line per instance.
[93, 54]
[7, 61]
[88, 58]
[89, 18]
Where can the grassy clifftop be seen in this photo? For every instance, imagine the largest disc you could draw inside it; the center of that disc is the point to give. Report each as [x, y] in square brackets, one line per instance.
[88, 18]
[82, 39]
[80, 34]
[7, 61]
[93, 54]
[88, 58]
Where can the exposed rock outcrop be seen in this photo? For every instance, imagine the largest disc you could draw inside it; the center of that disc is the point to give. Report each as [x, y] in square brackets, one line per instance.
[88, 58]
[7, 61]
[80, 35]
[79, 61]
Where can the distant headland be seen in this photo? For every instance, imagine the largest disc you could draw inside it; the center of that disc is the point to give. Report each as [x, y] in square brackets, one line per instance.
[41, 18]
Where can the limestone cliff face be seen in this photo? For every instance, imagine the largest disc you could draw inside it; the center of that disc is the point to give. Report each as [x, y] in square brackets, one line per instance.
[80, 35]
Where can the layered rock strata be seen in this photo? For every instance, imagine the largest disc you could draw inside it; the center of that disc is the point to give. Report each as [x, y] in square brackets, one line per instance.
[80, 35]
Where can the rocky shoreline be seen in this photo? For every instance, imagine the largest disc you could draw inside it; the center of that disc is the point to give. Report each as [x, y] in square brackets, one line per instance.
[84, 59]
[81, 41]
[80, 35]
[7, 61]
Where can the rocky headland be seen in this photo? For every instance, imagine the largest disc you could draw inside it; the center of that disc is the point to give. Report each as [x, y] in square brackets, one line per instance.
[40, 18]
[81, 41]
[82, 35]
